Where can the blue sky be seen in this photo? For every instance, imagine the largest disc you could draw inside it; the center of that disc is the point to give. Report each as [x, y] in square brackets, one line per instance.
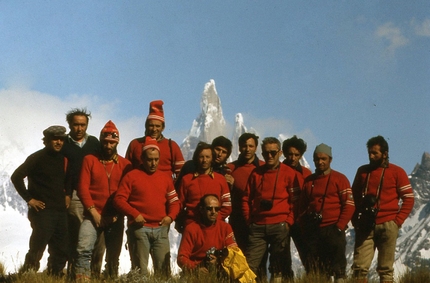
[337, 72]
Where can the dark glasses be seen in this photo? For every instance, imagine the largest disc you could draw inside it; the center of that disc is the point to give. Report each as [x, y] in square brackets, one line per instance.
[211, 208]
[272, 153]
[113, 135]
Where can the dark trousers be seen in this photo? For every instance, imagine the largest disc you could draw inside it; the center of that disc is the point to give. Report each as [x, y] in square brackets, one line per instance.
[297, 236]
[49, 229]
[325, 252]
[275, 238]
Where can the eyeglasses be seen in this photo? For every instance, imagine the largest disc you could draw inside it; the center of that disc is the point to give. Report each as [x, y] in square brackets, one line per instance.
[113, 135]
[271, 152]
[211, 208]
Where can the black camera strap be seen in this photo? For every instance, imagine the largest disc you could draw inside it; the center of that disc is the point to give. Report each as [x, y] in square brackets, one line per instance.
[378, 190]
[276, 182]
[324, 195]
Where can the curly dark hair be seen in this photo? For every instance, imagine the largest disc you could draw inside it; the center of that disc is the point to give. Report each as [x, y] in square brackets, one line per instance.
[295, 142]
[378, 140]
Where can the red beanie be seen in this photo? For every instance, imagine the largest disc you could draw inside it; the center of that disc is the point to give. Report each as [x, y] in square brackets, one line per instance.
[156, 111]
[150, 143]
[109, 132]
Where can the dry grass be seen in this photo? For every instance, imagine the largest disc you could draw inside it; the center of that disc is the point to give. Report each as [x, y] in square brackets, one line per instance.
[419, 275]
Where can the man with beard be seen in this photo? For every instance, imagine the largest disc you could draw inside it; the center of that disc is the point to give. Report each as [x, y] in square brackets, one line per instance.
[328, 205]
[46, 199]
[377, 188]
[204, 180]
[99, 180]
[222, 147]
[171, 159]
[149, 200]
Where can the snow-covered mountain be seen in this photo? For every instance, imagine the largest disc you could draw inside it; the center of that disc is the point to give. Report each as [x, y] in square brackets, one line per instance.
[208, 125]
[413, 243]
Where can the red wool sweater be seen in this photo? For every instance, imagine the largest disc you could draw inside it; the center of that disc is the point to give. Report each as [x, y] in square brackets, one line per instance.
[197, 239]
[301, 174]
[395, 186]
[151, 195]
[339, 203]
[261, 185]
[240, 173]
[167, 153]
[193, 187]
[98, 180]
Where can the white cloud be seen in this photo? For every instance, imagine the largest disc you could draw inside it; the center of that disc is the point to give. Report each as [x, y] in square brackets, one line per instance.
[26, 113]
[392, 36]
[421, 29]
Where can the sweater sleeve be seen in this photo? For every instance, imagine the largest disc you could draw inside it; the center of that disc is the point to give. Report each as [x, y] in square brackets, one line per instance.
[346, 201]
[225, 199]
[120, 201]
[405, 192]
[84, 184]
[178, 158]
[246, 201]
[185, 250]
[17, 179]
[174, 205]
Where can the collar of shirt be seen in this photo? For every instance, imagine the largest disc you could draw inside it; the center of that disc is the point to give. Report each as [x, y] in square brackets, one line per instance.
[211, 174]
[114, 159]
[80, 144]
[326, 172]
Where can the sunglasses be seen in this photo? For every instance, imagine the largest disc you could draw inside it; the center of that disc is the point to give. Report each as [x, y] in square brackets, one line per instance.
[211, 208]
[272, 153]
[113, 135]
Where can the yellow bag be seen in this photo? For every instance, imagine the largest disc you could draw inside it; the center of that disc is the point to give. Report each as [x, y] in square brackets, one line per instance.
[236, 266]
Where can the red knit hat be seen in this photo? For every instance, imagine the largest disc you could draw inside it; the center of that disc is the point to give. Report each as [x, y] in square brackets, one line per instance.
[150, 143]
[156, 111]
[109, 132]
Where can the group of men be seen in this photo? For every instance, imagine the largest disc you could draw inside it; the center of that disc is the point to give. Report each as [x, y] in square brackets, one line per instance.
[80, 189]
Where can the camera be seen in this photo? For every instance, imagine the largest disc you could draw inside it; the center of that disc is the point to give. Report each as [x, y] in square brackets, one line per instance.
[217, 253]
[266, 205]
[311, 220]
[365, 218]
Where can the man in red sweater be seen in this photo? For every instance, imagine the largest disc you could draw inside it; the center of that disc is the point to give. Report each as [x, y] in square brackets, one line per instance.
[171, 159]
[377, 188]
[267, 208]
[326, 206]
[203, 241]
[99, 180]
[293, 149]
[201, 182]
[149, 200]
[241, 170]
